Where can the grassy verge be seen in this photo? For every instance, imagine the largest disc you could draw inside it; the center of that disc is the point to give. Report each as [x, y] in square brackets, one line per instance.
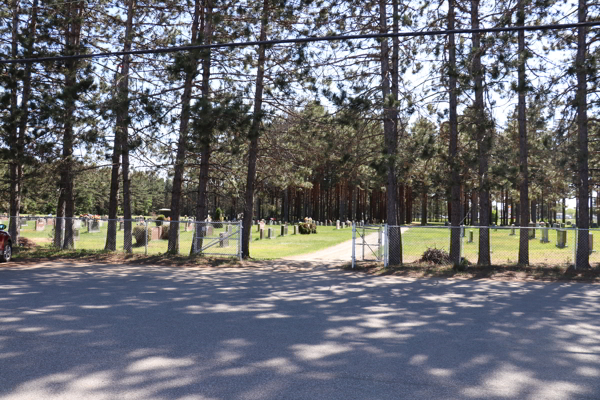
[504, 246]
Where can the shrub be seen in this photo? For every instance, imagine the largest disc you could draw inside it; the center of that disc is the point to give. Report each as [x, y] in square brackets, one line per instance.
[159, 220]
[165, 232]
[436, 256]
[307, 228]
[138, 234]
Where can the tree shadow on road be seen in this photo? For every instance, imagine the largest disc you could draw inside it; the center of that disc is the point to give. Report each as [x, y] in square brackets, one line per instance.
[133, 331]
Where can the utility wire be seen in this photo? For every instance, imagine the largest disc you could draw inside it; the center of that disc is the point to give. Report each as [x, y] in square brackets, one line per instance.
[176, 49]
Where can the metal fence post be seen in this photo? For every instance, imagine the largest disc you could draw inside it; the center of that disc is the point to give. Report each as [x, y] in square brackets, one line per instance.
[353, 244]
[386, 247]
[363, 243]
[575, 236]
[240, 240]
[460, 248]
[146, 237]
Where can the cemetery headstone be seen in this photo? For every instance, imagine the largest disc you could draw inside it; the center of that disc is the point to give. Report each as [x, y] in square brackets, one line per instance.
[545, 236]
[77, 224]
[470, 237]
[286, 229]
[262, 233]
[561, 238]
[40, 225]
[591, 242]
[512, 230]
[337, 224]
[270, 234]
[121, 224]
[531, 231]
[295, 229]
[282, 230]
[23, 222]
[76, 234]
[223, 240]
[156, 232]
[93, 226]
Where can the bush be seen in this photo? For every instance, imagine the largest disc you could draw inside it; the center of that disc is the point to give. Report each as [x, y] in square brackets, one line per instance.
[138, 234]
[159, 220]
[307, 228]
[165, 232]
[436, 256]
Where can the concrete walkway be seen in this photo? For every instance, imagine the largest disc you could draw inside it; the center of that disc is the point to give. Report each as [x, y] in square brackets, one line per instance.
[339, 253]
[342, 252]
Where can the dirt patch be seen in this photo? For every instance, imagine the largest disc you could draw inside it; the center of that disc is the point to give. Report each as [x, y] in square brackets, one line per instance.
[500, 272]
[29, 256]
[26, 243]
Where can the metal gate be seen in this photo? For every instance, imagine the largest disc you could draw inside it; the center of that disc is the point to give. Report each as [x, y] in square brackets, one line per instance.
[218, 239]
[368, 243]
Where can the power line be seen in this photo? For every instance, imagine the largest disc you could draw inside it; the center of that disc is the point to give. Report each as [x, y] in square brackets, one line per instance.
[302, 40]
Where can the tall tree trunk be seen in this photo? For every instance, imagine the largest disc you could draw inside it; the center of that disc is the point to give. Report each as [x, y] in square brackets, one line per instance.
[391, 140]
[255, 133]
[73, 39]
[583, 256]
[17, 141]
[111, 230]
[206, 151]
[15, 166]
[59, 223]
[191, 70]
[127, 225]
[453, 148]
[483, 140]
[523, 146]
[121, 142]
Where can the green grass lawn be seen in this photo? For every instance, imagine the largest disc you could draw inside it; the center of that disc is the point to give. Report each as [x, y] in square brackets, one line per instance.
[292, 245]
[260, 249]
[504, 246]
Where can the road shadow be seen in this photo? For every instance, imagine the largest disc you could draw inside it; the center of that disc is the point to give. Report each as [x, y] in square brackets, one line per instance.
[290, 331]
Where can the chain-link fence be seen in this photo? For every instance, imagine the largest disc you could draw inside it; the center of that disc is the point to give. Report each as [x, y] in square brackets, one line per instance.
[368, 243]
[554, 246]
[138, 236]
[218, 238]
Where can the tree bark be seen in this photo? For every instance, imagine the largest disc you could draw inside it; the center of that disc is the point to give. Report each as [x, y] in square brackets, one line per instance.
[206, 151]
[453, 148]
[19, 117]
[483, 140]
[255, 133]
[583, 255]
[73, 33]
[391, 139]
[523, 146]
[121, 144]
[191, 70]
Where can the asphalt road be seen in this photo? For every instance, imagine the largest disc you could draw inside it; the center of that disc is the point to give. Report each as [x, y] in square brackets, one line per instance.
[121, 332]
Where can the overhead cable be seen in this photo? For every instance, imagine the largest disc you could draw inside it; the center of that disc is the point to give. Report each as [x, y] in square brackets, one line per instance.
[176, 49]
